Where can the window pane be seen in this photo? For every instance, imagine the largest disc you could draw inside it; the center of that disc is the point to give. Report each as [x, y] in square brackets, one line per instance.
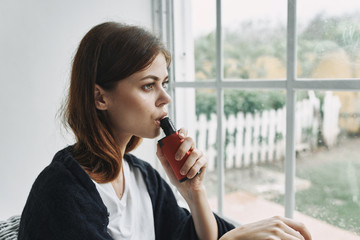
[254, 153]
[206, 128]
[328, 39]
[204, 26]
[328, 163]
[196, 110]
[254, 39]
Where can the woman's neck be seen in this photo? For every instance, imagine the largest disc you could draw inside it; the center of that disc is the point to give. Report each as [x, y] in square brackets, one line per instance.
[122, 142]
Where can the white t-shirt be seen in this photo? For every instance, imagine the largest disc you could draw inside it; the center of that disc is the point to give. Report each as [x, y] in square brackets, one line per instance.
[131, 217]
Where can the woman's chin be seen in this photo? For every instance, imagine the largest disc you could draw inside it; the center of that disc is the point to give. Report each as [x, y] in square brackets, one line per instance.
[157, 133]
[153, 135]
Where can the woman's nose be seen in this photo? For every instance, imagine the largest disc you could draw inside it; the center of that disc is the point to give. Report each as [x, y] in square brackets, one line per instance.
[163, 99]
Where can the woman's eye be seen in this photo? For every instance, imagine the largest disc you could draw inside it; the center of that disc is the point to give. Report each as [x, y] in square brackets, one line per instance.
[149, 86]
[165, 84]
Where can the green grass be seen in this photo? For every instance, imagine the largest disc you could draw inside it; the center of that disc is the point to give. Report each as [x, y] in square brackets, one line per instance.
[334, 195]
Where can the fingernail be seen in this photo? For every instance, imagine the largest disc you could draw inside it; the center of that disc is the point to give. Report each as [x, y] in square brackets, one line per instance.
[181, 134]
[182, 172]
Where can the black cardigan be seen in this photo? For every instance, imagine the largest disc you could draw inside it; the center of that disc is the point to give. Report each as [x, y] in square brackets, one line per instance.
[65, 204]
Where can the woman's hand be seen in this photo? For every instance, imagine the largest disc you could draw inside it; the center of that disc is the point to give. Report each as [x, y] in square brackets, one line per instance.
[192, 189]
[195, 162]
[277, 228]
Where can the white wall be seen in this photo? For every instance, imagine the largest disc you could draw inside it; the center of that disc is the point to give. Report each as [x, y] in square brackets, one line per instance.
[37, 41]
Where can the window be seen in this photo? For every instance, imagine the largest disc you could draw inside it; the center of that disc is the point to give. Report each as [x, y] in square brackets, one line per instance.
[271, 92]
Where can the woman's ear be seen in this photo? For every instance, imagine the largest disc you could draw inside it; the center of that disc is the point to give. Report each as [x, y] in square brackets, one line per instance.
[100, 98]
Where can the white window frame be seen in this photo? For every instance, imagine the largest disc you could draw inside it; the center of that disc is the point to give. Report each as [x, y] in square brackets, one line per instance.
[164, 18]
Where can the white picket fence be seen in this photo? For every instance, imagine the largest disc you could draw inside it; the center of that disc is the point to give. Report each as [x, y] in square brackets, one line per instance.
[258, 138]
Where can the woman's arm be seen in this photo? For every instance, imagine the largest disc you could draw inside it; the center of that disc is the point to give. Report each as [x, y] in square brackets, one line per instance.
[206, 227]
[193, 189]
[204, 220]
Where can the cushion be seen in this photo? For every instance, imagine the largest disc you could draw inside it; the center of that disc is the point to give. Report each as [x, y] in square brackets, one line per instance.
[9, 228]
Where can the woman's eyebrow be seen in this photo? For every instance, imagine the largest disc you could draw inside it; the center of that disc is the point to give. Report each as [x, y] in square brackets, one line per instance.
[152, 77]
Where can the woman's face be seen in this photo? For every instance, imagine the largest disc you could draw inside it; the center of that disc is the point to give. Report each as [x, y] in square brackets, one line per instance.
[138, 102]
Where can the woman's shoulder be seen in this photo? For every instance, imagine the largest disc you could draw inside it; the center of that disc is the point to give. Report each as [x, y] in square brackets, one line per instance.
[64, 174]
[64, 191]
[61, 165]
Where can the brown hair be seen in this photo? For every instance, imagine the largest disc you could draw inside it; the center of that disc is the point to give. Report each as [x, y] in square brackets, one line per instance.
[108, 53]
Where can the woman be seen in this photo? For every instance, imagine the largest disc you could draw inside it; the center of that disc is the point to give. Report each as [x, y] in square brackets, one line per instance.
[96, 189]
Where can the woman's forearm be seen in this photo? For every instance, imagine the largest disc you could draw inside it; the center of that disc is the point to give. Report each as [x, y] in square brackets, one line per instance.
[204, 220]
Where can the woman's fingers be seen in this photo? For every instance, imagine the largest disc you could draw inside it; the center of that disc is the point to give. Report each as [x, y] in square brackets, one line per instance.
[278, 228]
[195, 160]
[286, 228]
[194, 163]
[186, 147]
[183, 133]
[298, 227]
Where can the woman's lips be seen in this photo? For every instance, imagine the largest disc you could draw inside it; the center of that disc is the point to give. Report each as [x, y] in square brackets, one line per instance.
[157, 121]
